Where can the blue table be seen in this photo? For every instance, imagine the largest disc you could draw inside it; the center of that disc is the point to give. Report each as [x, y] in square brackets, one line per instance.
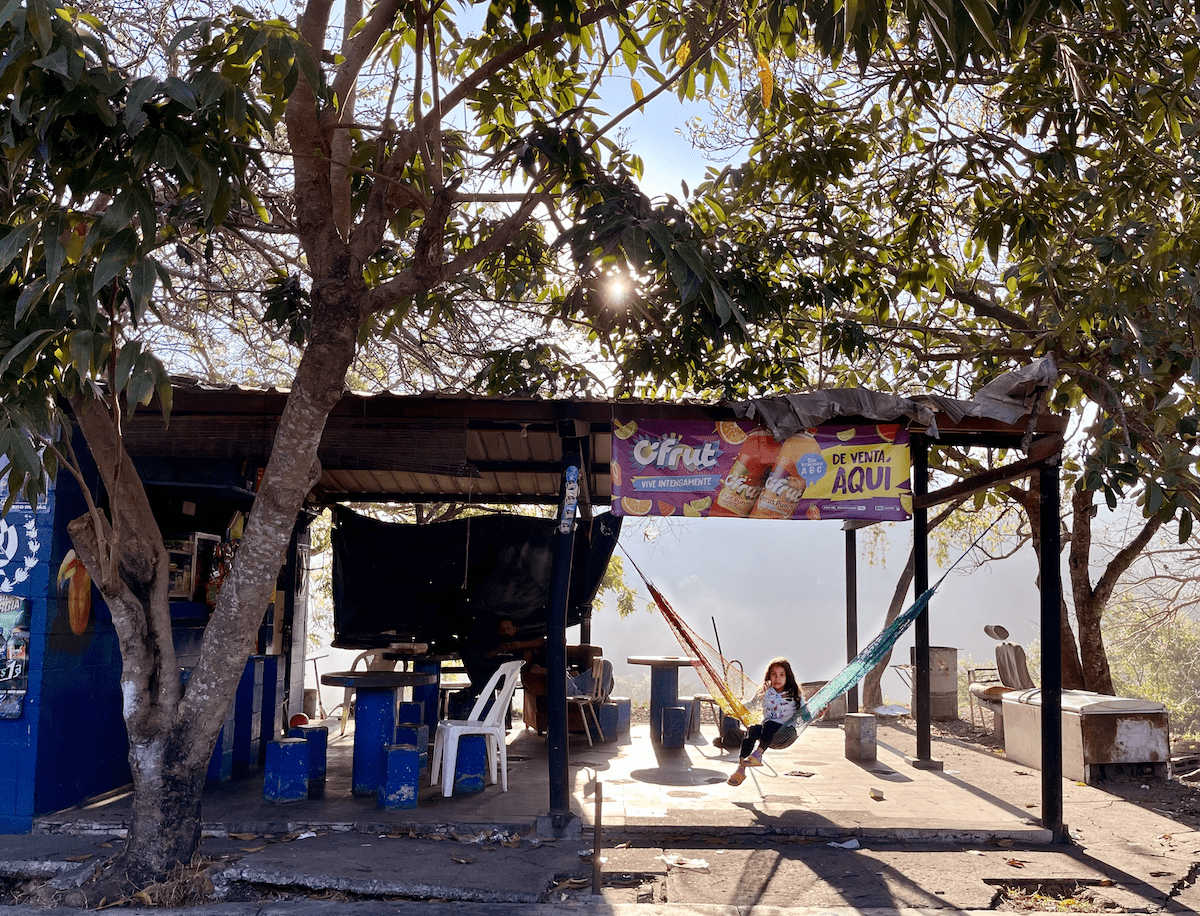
[374, 718]
[664, 684]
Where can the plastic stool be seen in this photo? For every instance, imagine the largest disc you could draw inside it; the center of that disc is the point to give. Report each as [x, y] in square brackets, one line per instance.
[674, 725]
[286, 777]
[401, 777]
[471, 764]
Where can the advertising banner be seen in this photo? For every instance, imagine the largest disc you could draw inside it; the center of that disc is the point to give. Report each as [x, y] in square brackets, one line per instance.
[737, 469]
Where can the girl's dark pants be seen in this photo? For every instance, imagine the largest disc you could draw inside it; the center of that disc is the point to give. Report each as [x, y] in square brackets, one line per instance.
[762, 734]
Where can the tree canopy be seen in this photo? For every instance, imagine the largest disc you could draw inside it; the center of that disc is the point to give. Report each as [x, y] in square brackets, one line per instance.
[435, 165]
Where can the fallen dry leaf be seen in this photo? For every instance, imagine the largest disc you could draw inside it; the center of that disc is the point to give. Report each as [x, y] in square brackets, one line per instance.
[243, 836]
[1161, 874]
[461, 861]
[1017, 863]
[255, 848]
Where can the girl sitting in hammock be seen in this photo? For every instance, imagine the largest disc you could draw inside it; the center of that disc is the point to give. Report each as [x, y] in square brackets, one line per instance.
[781, 701]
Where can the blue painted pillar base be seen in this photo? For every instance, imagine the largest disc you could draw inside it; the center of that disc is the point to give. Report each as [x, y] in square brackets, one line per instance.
[411, 713]
[674, 725]
[664, 692]
[401, 764]
[317, 737]
[471, 765]
[428, 694]
[374, 729]
[286, 772]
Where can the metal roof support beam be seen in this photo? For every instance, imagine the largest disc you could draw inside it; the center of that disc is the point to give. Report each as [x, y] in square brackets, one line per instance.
[1051, 603]
[920, 466]
[560, 816]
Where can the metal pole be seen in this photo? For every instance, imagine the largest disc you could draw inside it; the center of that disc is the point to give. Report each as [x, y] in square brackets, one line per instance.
[852, 611]
[1051, 602]
[596, 838]
[920, 463]
[556, 637]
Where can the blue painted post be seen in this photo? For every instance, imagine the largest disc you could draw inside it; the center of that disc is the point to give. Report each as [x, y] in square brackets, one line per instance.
[317, 737]
[674, 725]
[401, 764]
[471, 764]
[664, 692]
[247, 706]
[286, 773]
[428, 694]
[374, 729]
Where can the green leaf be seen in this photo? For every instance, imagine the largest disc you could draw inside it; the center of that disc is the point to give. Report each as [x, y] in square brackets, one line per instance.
[32, 342]
[117, 254]
[13, 243]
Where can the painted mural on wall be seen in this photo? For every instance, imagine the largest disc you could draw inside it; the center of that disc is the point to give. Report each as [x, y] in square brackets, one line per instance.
[737, 469]
[14, 655]
[24, 555]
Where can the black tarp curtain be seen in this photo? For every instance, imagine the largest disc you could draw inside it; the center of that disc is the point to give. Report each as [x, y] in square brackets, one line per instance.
[430, 583]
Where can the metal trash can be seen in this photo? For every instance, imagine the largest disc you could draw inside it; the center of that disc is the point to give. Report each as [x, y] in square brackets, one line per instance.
[1098, 731]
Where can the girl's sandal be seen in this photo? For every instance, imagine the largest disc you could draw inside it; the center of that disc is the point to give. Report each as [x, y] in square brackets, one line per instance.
[751, 761]
[736, 778]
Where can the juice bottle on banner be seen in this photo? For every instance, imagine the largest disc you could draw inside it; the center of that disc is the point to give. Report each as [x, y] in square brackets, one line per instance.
[743, 483]
[785, 485]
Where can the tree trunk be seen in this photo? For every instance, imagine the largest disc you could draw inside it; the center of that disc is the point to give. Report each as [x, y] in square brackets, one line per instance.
[172, 732]
[1091, 601]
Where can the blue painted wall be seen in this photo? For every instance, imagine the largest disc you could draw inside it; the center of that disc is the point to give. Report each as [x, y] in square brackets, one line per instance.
[68, 742]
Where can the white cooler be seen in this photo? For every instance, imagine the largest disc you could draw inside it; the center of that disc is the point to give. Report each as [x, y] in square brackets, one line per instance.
[1097, 730]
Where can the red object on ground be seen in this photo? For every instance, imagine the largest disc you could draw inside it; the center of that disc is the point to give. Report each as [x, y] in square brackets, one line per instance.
[297, 720]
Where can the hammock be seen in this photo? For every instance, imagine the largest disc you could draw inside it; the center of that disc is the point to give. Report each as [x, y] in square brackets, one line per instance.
[734, 692]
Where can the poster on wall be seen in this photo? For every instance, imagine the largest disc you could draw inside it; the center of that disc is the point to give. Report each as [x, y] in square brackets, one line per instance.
[14, 655]
[737, 469]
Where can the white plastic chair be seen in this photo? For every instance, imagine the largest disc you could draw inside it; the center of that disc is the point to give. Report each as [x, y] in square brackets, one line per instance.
[587, 702]
[490, 725]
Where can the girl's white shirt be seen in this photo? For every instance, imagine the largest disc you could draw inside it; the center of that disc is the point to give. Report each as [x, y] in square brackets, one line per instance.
[778, 707]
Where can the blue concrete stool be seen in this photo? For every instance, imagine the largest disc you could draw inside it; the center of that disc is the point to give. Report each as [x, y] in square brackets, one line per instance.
[418, 737]
[317, 737]
[674, 725]
[731, 733]
[401, 777]
[610, 719]
[412, 712]
[624, 714]
[471, 765]
[286, 777]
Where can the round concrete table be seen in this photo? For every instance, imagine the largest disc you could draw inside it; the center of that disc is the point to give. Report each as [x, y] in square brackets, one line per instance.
[664, 684]
[374, 718]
